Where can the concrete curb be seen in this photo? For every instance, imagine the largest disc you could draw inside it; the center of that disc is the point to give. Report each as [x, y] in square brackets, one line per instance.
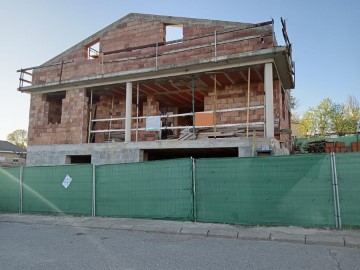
[339, 238]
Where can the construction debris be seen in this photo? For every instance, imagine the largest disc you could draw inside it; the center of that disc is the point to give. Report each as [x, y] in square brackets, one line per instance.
[209, 133]
[316, 147]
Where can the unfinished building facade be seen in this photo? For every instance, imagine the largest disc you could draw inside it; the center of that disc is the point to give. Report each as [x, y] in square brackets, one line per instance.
[153, 87]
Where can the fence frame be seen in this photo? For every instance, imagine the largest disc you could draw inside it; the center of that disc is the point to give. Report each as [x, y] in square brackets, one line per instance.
[335, 188]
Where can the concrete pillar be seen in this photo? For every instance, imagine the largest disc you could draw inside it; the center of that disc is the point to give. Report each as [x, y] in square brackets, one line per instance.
[176, 122]
[128, 112]
[269, 100]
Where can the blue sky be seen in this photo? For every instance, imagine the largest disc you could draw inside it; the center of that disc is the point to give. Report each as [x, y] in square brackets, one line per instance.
[325, 37]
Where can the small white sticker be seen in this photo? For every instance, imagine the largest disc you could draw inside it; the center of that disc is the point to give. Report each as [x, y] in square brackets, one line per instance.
[67, 181]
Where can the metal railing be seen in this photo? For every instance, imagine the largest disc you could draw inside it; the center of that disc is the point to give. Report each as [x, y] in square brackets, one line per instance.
[260, 124]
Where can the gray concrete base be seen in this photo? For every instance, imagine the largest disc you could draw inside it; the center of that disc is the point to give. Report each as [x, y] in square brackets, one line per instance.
[121, 152]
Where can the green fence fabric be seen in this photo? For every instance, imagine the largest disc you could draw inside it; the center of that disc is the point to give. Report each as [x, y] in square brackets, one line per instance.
[287, 190]
[9, 189]
[348, 173]
[43, 190]
[155, 189]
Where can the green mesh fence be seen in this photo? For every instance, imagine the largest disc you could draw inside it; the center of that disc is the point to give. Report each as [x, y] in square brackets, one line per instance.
[43, 191]
[9, 189]
[156, 189]
[348, 173]
[288, 190]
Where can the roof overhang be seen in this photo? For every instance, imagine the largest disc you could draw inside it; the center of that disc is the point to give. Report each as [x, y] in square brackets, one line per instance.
[277, 55]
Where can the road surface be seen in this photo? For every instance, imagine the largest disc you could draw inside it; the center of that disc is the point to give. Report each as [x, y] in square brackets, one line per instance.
[39, 246]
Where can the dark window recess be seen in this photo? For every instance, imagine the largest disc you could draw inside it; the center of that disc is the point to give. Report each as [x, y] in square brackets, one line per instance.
[158, 154]
[78, 159]
[54, 101]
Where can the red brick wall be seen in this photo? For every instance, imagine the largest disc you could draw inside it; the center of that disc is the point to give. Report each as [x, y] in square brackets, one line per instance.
[111, 106]
[73, 126]
[150, 108]
[235, 96]
[282, 113]
[145, 32]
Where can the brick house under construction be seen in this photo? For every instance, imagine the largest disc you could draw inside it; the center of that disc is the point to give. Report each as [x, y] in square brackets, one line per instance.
[152, 87]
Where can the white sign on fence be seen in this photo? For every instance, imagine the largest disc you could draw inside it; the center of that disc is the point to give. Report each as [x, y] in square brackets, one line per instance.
[67, 181]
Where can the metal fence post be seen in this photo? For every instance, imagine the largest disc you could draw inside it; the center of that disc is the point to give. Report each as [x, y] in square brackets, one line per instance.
[335, 191]
[21, 189]
[93, 213]
[194, 188]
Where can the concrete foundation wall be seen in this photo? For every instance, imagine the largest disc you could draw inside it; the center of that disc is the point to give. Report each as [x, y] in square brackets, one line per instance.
[105, 153]
[110, 153]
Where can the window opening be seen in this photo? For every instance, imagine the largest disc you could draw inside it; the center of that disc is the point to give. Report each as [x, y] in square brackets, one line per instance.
[174, 32]
[93, 50]
[54, 101]
[78, 159]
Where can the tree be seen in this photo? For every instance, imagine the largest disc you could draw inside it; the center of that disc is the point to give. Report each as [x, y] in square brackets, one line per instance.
[329, 118]
[351, 114]
[317, 121]
[346, 117]
[294, 102]
[18, 137]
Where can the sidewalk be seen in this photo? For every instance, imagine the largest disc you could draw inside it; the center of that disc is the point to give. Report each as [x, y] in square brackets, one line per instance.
[343, 238]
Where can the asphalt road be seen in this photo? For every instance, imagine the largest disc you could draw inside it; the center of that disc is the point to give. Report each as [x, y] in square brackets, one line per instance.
[35, 246]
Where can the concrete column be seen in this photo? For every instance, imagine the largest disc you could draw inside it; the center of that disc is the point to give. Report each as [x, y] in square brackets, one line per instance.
[128, 112]
[176, 122]
[269, 100]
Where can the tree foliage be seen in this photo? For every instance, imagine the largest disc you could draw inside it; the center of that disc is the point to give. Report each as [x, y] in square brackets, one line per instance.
[294, 102]
[331, 118]
[18, 137]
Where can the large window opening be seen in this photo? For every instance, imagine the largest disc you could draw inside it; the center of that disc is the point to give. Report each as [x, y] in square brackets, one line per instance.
[54, 101]
[174, 32]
